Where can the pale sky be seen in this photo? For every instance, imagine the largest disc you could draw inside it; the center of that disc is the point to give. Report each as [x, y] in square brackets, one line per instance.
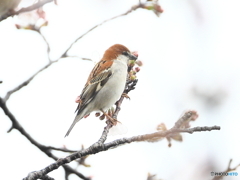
[191, 61]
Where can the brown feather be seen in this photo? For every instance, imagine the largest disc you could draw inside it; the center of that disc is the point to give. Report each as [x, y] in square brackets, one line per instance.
[113, 52]
[99, 67]
[97, 76]
[106, 62]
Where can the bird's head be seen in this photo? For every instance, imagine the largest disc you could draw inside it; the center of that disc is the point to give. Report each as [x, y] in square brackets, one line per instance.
[119, 52]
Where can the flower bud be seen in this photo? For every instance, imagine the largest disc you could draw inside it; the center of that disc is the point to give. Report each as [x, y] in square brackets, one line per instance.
[102, 117]
[131, 62]
[133, 77]
[97, 114]
[137, 69]
[139, 63]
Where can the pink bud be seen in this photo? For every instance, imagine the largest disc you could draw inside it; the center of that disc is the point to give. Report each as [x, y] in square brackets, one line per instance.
[78, 100]
[97, 114]
[139, 63]
[135, 53]
[137, 69]
[102, 117]
[18, 26]
[158, 8]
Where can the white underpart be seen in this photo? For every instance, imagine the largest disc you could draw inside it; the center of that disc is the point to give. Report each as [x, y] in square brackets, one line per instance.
[114, 87]
[110, 92]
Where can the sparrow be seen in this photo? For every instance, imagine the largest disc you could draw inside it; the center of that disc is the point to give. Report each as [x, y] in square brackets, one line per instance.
[105, 83]
[7, 5]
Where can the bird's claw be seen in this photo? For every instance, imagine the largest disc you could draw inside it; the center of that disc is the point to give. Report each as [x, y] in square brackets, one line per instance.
[113, 121]
[125, 95]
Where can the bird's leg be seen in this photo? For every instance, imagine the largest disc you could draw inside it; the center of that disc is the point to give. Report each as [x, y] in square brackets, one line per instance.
[112, 120]
[125, 95]
[109, 112]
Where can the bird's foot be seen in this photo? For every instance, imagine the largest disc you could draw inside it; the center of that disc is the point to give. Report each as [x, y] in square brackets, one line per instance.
[113, 121]
[110, 119]
[125, 95]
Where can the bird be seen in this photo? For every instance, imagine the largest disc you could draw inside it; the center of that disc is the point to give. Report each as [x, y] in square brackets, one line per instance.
[105, 84]
[7, 6]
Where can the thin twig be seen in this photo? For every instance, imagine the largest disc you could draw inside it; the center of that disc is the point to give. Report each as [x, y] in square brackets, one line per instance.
[130, 85]
[104, 147]
[61, 149]
[46, 42]
[94, 27]
[27, 9]
[25, 83]
[220, 175]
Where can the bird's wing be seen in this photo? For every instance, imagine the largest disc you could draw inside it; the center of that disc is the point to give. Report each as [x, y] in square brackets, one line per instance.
[94, 84]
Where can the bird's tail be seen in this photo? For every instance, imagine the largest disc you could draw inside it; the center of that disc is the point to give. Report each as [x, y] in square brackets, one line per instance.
[78, 117]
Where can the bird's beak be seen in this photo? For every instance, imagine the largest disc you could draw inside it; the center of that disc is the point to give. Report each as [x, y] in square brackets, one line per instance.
[133, 55]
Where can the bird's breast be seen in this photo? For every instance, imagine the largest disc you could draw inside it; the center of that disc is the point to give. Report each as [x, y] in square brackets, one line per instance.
[114, 87]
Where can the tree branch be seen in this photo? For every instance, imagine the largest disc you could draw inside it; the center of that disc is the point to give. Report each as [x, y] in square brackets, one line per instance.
[27, 9]
[229, 169]
[45, 149]
[61, 149]
[99, 147]
[25, 83]
[64, 55]
[94, 27]
[46, 42]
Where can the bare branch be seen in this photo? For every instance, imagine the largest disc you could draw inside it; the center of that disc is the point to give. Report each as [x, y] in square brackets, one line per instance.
[99, 147]
[46, 177]
[70, 170]
[33, 7]
[152, 177]
[220, 175]
[47, 150]
[27, 9]
[94, 27]
[60, 149]
[130, 85]
[46, 42]
[229, 166]
[103, 138]
[87, 59]
[104, 147]
[25, 83]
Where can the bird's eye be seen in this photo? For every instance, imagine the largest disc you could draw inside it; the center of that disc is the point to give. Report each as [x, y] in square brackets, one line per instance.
[125, 53]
